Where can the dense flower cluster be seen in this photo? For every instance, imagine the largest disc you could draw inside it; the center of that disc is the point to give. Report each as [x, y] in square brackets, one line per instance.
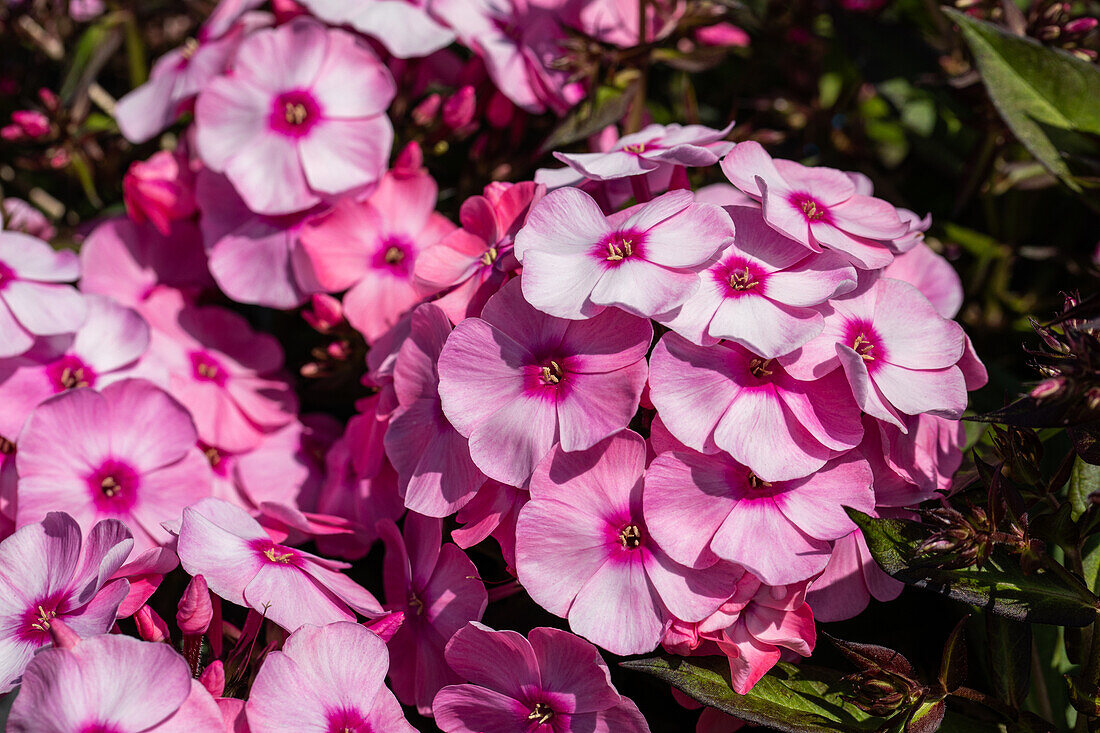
[658, 401]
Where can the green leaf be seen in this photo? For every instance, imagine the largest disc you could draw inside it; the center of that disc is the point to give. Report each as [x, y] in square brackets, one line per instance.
[609, 105]
[1084, 480]
[94, 48]
[1046, 596]
[796, 699]
[1009, 645]
[1035, 89]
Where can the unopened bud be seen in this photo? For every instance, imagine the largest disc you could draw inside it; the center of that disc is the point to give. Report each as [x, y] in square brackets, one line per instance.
[194, 609]
[325, 313]
[62, 636]
[458, 111]
[409, 161]
[424, 114]
[1080, 26]
[213, 678]
[1048, 388]
[150, 626]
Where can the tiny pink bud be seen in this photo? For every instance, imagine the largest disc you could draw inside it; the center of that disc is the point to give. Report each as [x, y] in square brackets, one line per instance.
[1080, 25]
[338, 350]
[458, 111]
[213, 678]
[409, 161]
[1048, 388]
[34, 124]
[62, 636]
[11, 132]
[286, 10]
[59, 159]
[150, 626]
[49, 99]
[725, 35]
[424, 114]
[325, 313]
[386, 626]
[194, 609]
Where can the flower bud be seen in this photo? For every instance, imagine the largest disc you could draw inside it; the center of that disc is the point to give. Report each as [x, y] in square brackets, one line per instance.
[500, 111]
[213, 678]
[194, 609]
[62, 636]
[1048, 388]
[458, 111]
[150, 626]
[34, 124]
[159, 191]
[324, 314]
[1080, 26]
[424, 114]
[409, 161]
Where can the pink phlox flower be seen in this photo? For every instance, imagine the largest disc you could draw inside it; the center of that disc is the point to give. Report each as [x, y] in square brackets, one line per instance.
[616, 21]
[898, 354]
[126, 452]
[370, 249]
[406, 28]
[300, 118]
[20, 216]
[144, 573]
[653, 147]
[817, 207]
[159, 190]
[925, 455]
[849, 581]
[475, 261]
[705, 507]
[932, 275]
[244, 566]
[725, 397]
[917, 227]
[517, 381]
[337, 673]
[439, 590]
[550, 681]
[584, 551]
[47, 572]
[493, 511]
[762, 291]
[287, 468]
[34, 299]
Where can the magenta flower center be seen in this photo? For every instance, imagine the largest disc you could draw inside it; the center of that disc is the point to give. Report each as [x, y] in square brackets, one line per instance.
[294, 113]
[635, 148]
[761, 368]
[35, 624]
[739, 277]
[69, 372]
[630, 537]
[863, 339]
[276, 554]
[215, 458]
[811, 208]
[206, 368]
[98, 728]
[7, 447]
[348, 721]
[394, 254]
[114, 487]
[6, 275]
[541, 713]
[619, 246]
[552, 374]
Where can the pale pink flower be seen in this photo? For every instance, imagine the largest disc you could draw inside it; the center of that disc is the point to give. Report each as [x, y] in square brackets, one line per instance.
[584, 552]
[19, 216]
[925, 455]
[127, 452]
[762, 291]
[899, 355]
[725, 397]
[46, 573]
[932, 275]
[817, 207]
[644, 260]
[703, 507]
[337, 673]
[652, 148]
[405, 27]
[517, 381]
[493, 511]
[475, 261]
[287, 468]
[372, 246]
[439, 591]
[241, 564]
[849, 581]
[34, 301]
[550, 681]
[300, 118]
[159, 190]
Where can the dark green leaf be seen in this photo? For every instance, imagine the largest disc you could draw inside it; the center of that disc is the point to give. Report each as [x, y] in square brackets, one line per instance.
[1084, 480]
[1009, 646]
[608, 107]
[953, 664]
[1046, 596]
[94, 48]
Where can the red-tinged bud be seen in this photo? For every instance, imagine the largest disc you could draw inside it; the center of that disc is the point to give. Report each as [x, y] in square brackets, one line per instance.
[458, 111]
[725, 35]
[1048, 388]
[49, 99]
[338, 350]
[11, 132]
[62, 636]
[500, 111]
[159, 191]
[194, 609]
[150, 626]
[286, 10]
[34, 124]
[409, 161]
[424, 114]
[1080, 26]
[59, 159]
[213, 678]
[324, 314]
[386, 626]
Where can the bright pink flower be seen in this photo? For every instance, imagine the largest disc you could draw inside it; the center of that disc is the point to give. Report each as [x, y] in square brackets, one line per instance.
[159, 190]
[300, 118]
[652, 148]
[144, 573]
[439, 591]
[372, 246]
[46, 574]
[849, 581]
[109, 684]
[645, 260]
[228, 375]
[517, 381]
[898, 354]
[722, 34]
[550, 681]
[242, 565]
[725, 397]
[127, 452]
[19, 216]
[33, 299]
[435, 472]
[817, 207]
[584, 551]
[337, 674]
[476, 259]
[925, 455]
[405, 27]
[762, 291]
[704, 507]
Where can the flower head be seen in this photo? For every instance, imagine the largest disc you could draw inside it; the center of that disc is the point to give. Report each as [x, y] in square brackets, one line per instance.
[405, 27]
[34, 301]
[653, 148]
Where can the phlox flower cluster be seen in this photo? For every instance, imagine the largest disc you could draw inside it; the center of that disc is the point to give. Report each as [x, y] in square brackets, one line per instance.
[654, 401]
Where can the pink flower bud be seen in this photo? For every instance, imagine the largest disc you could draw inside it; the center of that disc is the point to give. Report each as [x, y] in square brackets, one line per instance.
[1048, 388]
[159, 191]
[458, 111]
[49, 99]
[11, 132]
[325, 313]
[424, 114]
[213, 678]
[194, 609]
[1080, 25]
[150, 626]
[338, 350]
[59, 158]
[386, 626]
[722, 35]
[62, 636]
[34, 124]
[409, 161]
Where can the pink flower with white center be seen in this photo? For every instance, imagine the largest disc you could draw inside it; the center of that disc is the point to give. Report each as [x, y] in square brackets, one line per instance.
[405, 27]
[584, 551]
[550, 681]
[46, 574]
[439, 591]
[300, 118]
[752, 629]
[110, 684]
[160, 190]
[850, 580]
[817, 207]
[517, 381]
[477, 259]
[181, 74]
[241, 564]
[127, 452]
[761, 292]
[706, 507]
[899, 355]
[337, 673]
[435, 471]
[19, 216]
[652, 148]
[253, 258]
[371, 247]
[644, 260]
[725, 397]
[34, 301]
[228, 375]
